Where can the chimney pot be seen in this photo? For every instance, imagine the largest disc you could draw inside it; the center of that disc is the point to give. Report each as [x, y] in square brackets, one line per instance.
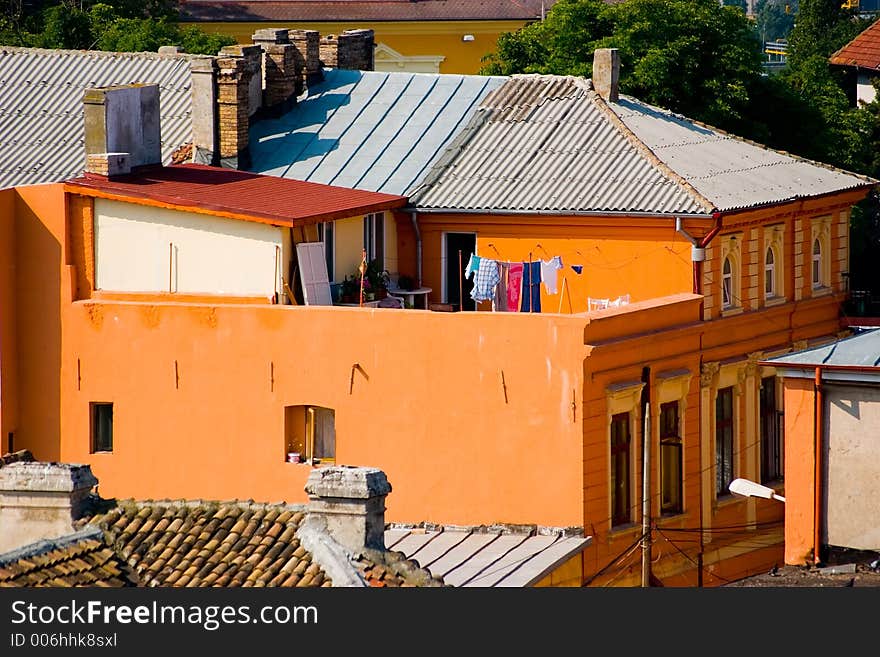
[170, 50]
[124, 119]
[41, 501]
[606, 73]
[351, 501]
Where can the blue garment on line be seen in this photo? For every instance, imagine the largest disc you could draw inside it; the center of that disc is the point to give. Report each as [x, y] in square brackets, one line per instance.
[531, 287]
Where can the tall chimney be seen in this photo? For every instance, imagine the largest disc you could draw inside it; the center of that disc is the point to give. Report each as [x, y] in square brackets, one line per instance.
[282, 70]
[40, 501]
[351, 502]
[308, 47]
[203, 72]
[606, 73]
[233, 101]
[122, 119]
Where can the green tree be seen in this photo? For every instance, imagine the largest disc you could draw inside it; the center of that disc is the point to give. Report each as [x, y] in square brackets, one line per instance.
[775, 18]
[821, 27]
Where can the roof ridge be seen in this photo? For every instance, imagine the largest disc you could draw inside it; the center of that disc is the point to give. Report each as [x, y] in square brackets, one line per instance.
[47, 545]
[650, 155]
[750, 142]
[144, 54]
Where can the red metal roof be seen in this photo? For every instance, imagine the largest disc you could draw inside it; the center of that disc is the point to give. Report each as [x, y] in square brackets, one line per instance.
[863, 51]
[250, 196]
[360, 10]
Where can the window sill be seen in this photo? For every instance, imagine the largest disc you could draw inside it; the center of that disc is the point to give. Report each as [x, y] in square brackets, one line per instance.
[769, 302]
[730, 312]
[619, 530]
[727, 500]
[672, 515]
[823, 291]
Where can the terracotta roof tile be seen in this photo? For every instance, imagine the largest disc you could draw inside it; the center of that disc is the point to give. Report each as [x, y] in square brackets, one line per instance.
[863, 51]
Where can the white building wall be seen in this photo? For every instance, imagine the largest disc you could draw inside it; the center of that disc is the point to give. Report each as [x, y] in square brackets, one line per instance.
[865, 92]
[145, 249]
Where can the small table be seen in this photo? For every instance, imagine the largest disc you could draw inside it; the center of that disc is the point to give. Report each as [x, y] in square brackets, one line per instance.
[409, 296]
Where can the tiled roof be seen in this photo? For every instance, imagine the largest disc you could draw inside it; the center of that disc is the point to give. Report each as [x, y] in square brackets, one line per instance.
[393, 569]
[361, 10]
[41, 108]
[487, 556]
[550, 144]
[80, 559]
[196, 543]
[247, 195]
[863, 51]
[368, 130]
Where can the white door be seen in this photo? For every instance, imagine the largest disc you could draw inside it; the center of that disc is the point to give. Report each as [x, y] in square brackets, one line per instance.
[313, 274]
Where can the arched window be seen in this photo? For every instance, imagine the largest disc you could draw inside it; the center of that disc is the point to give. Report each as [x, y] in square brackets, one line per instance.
[817, 263]
[770, 274]
[727, 284]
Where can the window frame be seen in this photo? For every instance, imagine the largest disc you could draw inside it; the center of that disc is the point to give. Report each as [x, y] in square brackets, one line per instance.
[727, 284]
[816, 264]
[771, 454]
[770, 273]
[374, 237]
[671, 443]
[725, 444]
[96, 445]
[621, 508]
[327, 235]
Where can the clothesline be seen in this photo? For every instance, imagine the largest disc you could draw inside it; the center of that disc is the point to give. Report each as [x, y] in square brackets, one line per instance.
[503, 282]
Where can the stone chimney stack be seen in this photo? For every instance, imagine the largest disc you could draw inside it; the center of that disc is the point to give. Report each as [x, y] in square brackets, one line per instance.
[606, 73]
[282, 70]
[308, 48]
[233, 100]
[351, 502]
[353, 49]
[40, 501]
[203, 72]
[122, 128]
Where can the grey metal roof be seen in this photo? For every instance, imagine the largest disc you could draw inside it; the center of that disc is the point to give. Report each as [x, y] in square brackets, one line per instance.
[543, 143]
[731, 172]
[860, 350]
[484, 558]
[368, 130]
[41, 110]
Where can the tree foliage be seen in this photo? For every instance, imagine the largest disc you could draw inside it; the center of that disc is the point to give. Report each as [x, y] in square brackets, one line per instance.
[115, 25]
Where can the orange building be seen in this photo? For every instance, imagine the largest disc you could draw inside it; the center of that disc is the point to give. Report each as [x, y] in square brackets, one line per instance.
[144, 340]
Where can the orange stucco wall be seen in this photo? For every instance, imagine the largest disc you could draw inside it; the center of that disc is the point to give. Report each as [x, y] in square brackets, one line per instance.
[8, 334]
[799, 472]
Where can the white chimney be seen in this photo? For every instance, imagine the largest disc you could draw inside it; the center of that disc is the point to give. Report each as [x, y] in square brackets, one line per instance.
[606, 73]
[124, 119]
[40, 501]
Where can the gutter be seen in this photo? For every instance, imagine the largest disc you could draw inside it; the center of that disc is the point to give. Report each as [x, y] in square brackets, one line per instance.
[698, 247]
[817, 460]
[559, 213]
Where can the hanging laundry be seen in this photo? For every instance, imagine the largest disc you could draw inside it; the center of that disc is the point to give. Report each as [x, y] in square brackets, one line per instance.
[499, 303]
[549, 270]
[577, 268]
[514, 285]
[485, 280]
[473, 265]
[531, 285]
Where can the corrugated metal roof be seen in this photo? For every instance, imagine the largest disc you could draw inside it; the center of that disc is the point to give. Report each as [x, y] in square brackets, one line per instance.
[41, 109]
[860, 350]
[368, 130]
[467, 557]
[863, 51]
[283, 202]
[549, 144]
[542, 143]
[729, 171]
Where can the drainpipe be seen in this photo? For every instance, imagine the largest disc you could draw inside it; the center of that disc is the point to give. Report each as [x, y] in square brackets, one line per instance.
[698, 248]
[817, 474]
[415, 222]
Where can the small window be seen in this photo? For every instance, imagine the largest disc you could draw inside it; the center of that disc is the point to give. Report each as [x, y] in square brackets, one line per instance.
[670, 459]
[723, 440]
[325, 234]
[374, 238]
[620, 469]
[770, 274]
[309, 434]
[727, 284]
[101, 426]
[817, 263]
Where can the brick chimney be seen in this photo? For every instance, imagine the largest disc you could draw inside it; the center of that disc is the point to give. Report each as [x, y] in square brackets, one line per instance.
[122, 128]
[233, 100]
[353, 49]
[282, 70]
[351, 503]
[606, 73]
[308, 48]
[40, 501]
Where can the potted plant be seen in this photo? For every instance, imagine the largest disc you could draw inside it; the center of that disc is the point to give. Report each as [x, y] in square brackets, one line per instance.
[350, 290]
[405, 282]
[377, 278]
